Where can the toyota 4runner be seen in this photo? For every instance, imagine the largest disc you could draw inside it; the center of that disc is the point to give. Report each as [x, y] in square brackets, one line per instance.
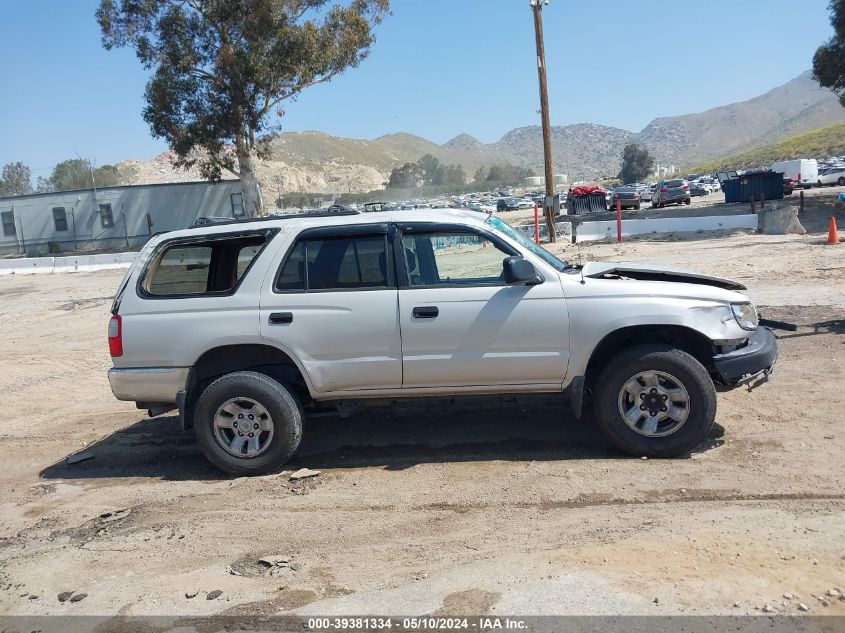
[246, 327]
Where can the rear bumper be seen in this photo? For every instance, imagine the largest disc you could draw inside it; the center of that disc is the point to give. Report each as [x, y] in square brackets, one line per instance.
[148, 384]
[750, 365]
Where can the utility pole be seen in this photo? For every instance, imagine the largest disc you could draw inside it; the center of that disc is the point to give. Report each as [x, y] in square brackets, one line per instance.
[548, 210]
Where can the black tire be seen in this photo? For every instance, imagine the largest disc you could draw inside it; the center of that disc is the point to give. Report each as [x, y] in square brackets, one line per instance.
[687, 201]
[841, 181]
[282, 405]
[661, 358]
[637, 208]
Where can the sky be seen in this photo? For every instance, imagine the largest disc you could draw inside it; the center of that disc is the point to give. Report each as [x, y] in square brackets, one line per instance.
[438, 68]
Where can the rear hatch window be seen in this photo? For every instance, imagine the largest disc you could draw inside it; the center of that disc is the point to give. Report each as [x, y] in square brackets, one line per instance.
[674, 184]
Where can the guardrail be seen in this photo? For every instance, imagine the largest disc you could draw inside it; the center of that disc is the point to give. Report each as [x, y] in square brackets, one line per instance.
[71, 264]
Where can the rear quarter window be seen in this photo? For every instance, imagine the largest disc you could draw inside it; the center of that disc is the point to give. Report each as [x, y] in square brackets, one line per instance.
[181, 270]
[197, 267]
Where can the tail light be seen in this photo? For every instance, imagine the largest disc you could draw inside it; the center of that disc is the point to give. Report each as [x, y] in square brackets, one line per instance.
[664, 190]
[116, 336]
[615, 196]
[636, 196]
[684, 186]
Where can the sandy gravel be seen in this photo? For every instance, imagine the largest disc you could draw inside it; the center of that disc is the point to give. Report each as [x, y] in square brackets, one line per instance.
[481, 505]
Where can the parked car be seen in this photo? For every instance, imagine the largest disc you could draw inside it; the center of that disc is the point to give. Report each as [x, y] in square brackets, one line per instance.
[627, 197]
[712, 184]
[375, 207]
[245, 328]
[671, 192]
[832, 176]
[512, 204]
[698, 189]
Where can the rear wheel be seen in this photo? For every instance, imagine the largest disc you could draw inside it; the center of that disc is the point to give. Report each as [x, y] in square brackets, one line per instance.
[687, 201]
[841, 181]
[655, 401]
[246, 423]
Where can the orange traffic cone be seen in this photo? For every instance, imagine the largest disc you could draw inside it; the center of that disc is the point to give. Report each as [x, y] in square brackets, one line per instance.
[833, 233]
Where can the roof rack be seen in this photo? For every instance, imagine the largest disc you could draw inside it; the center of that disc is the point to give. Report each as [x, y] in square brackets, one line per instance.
[321, 213]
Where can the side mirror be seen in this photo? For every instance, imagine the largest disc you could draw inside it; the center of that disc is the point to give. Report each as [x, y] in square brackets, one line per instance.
[519, 271]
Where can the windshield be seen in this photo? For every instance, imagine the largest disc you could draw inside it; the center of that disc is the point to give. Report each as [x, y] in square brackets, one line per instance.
[520, 237]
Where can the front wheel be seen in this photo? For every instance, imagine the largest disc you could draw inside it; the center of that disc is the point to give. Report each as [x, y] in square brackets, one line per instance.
[655, 401]
[246, 423]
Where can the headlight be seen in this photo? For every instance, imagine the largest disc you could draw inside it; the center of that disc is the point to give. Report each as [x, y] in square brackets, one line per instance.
[745, 315]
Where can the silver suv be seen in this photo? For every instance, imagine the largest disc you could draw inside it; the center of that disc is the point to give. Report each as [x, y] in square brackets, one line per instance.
[249, 326]
[671, 192]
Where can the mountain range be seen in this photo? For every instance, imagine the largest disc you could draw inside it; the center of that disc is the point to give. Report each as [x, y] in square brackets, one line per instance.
[319, 162]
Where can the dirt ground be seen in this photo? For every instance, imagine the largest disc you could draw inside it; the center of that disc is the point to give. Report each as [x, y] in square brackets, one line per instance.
[464, 506]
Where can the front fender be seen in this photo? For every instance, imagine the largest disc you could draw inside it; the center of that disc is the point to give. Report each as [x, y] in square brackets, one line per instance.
[592, 318]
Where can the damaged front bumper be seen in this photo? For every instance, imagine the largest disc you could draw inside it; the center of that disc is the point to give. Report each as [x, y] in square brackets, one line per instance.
[750, 365]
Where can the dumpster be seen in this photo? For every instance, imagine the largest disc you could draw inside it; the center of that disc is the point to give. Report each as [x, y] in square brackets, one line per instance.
[756, 185]
[589, 199]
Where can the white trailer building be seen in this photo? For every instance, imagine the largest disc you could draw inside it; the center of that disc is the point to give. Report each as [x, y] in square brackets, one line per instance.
[110, 218]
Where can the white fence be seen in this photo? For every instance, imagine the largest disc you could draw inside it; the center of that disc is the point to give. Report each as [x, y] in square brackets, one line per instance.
[76, 263]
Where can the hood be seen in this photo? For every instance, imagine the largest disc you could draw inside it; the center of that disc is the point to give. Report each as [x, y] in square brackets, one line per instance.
[650, 272]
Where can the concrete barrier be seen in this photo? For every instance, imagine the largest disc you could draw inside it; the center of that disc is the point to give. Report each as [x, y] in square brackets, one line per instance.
[73, 263]
[594, 231]
[26, 265]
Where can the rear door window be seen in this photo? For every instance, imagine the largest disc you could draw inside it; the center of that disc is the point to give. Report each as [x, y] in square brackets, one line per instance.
[214, 266]
[335, 263]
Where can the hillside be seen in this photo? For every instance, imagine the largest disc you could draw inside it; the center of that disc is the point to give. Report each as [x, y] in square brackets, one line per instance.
[798, 106]
[319, 162]
[583, 150]
[827, 141]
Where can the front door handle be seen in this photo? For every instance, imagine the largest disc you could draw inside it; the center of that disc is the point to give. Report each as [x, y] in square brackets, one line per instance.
[281, 318]
[426, 312]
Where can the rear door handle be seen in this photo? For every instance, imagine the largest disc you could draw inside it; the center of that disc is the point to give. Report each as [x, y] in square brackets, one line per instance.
[426, 312]
[281, 318]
